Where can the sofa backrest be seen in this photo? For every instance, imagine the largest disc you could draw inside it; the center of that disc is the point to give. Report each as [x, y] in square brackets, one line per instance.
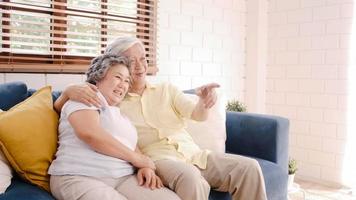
[13, 93]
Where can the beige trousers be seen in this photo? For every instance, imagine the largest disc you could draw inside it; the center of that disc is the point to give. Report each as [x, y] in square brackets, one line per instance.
[240, 176]
[89, 188]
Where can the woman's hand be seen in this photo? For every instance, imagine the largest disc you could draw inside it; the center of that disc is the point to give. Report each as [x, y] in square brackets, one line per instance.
[84, 93]
[147, 177]
[142, 161]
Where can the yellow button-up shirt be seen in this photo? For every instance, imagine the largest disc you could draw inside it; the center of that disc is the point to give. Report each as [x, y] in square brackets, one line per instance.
[159, 116]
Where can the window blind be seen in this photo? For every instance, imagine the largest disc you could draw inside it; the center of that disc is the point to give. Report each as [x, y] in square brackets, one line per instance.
[62, 36]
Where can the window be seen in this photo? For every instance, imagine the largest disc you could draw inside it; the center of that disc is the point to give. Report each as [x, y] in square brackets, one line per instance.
[64, 35]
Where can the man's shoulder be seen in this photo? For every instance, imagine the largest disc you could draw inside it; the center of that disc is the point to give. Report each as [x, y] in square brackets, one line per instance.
[157, 85]
[165, 86]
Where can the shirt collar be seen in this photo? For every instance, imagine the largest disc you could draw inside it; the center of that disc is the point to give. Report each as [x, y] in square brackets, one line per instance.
[148, 86]
[151, 86]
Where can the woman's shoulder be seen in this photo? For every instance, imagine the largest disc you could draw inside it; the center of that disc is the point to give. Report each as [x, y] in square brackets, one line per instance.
[71, 106]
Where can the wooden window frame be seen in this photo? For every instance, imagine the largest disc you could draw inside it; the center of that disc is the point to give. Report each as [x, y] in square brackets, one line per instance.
[73, 64]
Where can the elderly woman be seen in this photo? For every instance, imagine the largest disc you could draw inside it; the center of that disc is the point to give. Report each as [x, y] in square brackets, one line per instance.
[97, 152]
[159, 112]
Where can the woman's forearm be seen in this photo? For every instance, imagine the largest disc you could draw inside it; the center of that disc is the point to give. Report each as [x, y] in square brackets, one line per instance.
[104, 143]
[88, 129]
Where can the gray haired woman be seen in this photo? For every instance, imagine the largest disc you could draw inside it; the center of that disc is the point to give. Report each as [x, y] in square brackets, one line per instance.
[97, 152]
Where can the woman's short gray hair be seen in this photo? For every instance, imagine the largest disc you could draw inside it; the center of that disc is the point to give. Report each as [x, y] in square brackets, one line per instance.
[121, 44]
[100, 65]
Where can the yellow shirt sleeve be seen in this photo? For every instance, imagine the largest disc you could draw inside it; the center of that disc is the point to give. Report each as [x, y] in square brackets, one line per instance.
[183, 105]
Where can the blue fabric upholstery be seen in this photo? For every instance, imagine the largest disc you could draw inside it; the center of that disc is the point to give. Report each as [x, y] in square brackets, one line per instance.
[265, 138]
[262, 137]
[215, 195]
[11, 94]
[276, 180]
[20, 190]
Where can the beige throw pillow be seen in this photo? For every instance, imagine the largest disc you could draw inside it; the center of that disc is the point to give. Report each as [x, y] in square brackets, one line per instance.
[210, 134]
[5, 172]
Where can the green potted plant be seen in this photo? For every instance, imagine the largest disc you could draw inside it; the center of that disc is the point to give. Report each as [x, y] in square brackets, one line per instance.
[235, 105]
[292, 169]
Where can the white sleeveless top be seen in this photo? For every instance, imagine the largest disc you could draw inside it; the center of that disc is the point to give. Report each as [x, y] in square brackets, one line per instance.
[75, 157]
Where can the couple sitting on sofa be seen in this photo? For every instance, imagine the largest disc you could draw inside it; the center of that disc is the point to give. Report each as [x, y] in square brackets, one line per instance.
[97, 149]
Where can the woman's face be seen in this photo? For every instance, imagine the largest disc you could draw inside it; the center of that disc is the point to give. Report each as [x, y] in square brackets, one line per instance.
[138, 63]
[115, 84]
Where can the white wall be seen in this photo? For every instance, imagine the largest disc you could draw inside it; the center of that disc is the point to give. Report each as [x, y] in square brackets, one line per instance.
[308, 48]
[36, 81]
[256, 56]
[199, 41]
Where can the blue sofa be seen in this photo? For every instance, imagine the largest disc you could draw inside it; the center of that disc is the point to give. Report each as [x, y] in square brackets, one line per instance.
[262, 137]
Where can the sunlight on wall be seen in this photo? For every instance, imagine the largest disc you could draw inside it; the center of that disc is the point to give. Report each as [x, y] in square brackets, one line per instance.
[349, 169]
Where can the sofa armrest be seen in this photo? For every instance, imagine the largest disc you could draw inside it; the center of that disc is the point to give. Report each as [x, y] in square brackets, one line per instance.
[257, 135]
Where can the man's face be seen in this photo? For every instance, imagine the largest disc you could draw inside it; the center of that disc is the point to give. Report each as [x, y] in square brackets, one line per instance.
[138, 63]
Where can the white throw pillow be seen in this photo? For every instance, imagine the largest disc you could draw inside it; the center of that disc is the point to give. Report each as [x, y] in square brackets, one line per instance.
[5, 172]
[211, 133]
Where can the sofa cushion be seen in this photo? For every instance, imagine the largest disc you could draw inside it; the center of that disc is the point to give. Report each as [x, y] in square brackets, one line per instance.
[211, 133]
[28, 137]
[215, 195]
[12, 94]
[24, 191]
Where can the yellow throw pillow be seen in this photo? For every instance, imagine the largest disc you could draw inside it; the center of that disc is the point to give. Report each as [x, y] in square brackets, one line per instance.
[28, 137]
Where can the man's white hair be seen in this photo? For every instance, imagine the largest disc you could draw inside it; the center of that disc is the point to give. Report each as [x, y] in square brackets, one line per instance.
[121, 44]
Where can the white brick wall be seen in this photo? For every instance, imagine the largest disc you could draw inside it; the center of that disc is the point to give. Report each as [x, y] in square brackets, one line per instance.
[36, 81]
[300, 15]
[32, 80]
[199, 41]
[2, 78]
[309, 44]
[192, 8]
[206, 42]
[58, 81]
